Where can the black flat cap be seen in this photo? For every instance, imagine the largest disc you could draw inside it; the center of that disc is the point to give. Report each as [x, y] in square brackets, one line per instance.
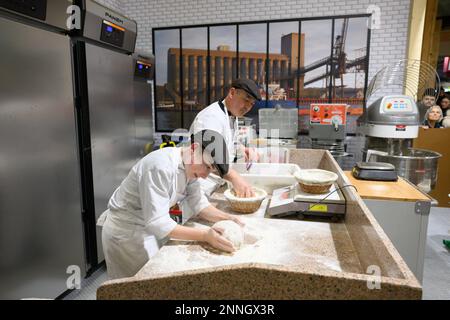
[248, 86]
[213, 143]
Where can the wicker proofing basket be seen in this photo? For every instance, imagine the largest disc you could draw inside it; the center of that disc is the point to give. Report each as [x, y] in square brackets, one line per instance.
[315, 188]
[315, 180]
[245, 205]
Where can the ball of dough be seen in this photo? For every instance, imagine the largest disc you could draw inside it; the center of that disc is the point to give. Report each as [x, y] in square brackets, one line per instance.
[232, 232]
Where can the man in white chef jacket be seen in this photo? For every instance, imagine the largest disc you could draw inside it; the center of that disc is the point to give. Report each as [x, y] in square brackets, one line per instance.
[138, 219]
[221, 116]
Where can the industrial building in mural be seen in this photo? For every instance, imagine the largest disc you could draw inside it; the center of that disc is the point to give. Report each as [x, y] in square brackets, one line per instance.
[294, 73]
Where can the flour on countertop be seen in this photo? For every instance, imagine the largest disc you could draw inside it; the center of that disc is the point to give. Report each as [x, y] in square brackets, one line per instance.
[267, 241]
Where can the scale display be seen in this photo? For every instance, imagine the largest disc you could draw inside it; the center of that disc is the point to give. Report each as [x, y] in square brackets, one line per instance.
[292, 201]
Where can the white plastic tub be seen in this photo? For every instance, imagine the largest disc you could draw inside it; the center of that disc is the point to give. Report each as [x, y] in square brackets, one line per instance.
[268, 176]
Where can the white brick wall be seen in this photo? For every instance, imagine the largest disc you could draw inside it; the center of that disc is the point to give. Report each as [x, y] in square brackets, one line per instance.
[113, 4]
[388, 44]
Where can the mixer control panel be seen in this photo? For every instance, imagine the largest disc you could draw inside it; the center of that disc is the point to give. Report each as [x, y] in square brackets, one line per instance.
[328, 114]
[397, 105]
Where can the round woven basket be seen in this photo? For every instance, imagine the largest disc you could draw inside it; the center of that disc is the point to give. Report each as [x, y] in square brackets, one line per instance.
[245, 205]
[315, 181]
[315, 188]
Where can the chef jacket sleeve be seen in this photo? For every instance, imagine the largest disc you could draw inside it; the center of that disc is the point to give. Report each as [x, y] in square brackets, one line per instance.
[195, 197]
[154, 189]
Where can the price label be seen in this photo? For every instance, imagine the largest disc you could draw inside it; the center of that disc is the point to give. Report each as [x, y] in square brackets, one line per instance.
[318, 207]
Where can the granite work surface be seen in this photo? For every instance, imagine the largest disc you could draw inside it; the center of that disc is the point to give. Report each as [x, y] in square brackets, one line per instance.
[280, 259]
[314, 245]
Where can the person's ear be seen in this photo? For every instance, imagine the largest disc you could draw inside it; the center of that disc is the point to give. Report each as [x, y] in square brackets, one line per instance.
[196, 152]
[194, 146]
[232, 91]
[192, 149]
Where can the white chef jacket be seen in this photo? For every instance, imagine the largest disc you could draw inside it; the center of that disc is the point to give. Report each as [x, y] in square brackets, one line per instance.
[213, 118]
[138, 219]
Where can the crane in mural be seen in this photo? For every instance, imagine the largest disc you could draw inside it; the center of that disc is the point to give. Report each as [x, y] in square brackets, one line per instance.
[336, 65]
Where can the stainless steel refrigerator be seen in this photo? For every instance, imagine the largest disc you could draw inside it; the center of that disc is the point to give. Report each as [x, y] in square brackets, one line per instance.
[104, 94]
[41, 234]
[144, 66]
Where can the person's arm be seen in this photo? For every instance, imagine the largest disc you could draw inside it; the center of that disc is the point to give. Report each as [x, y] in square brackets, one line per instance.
[241, 187]
[213, 214]
[195, 197]
[250, 153]
[201, 206]
[209, 235]
[154, 189]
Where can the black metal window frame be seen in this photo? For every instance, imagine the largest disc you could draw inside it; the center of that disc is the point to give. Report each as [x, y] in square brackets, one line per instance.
[267, 75]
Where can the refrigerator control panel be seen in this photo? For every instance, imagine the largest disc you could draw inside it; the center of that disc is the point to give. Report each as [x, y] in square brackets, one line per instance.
[32, 8]
[112, 34]
[143, 69]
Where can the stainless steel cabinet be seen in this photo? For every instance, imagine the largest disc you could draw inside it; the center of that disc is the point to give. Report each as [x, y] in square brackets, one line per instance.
[111, 114]
[41, 231]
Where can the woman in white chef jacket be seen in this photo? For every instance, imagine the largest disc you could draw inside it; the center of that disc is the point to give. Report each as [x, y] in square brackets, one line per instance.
[221, 116]
[138, 219]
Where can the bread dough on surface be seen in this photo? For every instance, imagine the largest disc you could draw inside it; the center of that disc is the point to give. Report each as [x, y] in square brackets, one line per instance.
[232, 232]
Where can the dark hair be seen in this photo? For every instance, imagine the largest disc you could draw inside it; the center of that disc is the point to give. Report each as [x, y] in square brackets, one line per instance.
[445, 96]
[429, 92]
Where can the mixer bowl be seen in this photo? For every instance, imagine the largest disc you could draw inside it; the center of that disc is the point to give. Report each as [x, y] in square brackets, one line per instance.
[419, 166]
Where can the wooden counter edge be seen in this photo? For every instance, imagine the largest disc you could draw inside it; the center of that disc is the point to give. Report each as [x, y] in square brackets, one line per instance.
[412, 194]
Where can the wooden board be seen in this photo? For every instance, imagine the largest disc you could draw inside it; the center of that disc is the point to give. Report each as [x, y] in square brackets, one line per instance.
[438, 140]
[400, 190]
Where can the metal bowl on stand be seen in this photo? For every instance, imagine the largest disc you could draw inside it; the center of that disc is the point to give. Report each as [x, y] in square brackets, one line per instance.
[419, 166]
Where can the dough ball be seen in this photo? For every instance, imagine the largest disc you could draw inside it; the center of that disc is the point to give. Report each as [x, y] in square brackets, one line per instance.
[232, 232]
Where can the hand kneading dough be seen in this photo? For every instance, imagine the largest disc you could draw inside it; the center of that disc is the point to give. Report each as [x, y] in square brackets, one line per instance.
[231, 231]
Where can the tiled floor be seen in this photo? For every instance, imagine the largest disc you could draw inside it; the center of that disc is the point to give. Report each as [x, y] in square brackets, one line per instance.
[436, 278]
[89, 286]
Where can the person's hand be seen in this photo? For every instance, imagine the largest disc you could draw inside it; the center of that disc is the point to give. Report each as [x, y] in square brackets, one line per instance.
[243, 189]
[214, 238]
[236, 219]
[251, 155]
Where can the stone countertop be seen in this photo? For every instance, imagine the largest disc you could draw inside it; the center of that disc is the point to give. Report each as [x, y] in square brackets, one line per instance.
[320, 245]
[313, 245]
[280, 259]
[295, 247]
